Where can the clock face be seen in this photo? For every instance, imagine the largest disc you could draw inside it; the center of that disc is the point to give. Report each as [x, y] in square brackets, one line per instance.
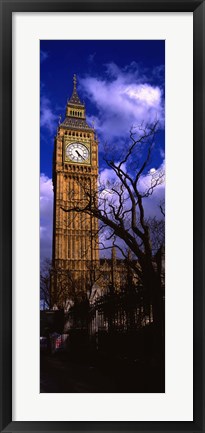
[77, 152]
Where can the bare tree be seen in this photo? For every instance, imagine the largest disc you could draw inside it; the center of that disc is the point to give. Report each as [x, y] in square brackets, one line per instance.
[58, 287]
[45, 282]
[119, 206]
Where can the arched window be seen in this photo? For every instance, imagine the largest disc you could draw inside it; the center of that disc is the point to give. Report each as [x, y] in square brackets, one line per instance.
[73, 133]
[75, 113]
[80, 114]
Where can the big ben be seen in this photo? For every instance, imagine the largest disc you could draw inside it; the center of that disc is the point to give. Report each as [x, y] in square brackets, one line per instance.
[75, 173]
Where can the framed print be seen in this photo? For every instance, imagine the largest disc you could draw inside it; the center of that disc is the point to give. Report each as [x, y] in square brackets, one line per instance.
[99, 100]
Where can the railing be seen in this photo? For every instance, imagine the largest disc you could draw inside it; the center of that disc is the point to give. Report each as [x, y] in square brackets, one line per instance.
[119, 312]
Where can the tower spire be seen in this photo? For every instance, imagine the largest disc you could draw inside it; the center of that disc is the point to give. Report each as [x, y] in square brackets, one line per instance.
[74, 81]
[75, 110]
[75, 100]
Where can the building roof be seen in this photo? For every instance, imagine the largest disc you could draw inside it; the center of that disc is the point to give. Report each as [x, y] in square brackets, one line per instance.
[73, 123]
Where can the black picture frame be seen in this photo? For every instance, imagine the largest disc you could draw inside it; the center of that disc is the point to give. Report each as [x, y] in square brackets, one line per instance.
[7, 8]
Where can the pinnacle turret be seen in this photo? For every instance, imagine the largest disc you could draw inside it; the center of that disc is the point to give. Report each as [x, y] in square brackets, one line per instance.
[75, 100]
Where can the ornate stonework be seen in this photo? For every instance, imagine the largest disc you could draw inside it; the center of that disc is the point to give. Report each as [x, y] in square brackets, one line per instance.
[75, 169]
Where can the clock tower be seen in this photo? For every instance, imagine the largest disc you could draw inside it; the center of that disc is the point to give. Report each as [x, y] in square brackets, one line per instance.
[75, 234]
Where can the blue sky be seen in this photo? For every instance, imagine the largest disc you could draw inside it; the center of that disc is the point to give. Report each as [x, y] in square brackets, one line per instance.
[122, 84]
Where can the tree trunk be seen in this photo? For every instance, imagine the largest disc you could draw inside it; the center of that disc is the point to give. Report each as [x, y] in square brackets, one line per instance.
[153, 290]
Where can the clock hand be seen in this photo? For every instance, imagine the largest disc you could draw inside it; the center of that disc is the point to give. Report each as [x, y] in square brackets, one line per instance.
[80, 154]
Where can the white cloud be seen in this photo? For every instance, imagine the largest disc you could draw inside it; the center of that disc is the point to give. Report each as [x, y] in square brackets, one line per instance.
[48, 118]
[107, 178]
[43, 55]
[91, 57]
[150, 203]
[124, 100]
[151, 96]
[46, 214]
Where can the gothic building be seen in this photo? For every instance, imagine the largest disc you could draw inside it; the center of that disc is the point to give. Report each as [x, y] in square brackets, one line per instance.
[76, 266]
[75, 169]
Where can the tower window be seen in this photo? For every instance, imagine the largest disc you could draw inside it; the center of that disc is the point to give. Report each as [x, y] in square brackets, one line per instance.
[84, 135]
[73, 133]
[69, 133]
[81, 134]
[71, 112]
[75, 113]
[80, 114]
[77, 134]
